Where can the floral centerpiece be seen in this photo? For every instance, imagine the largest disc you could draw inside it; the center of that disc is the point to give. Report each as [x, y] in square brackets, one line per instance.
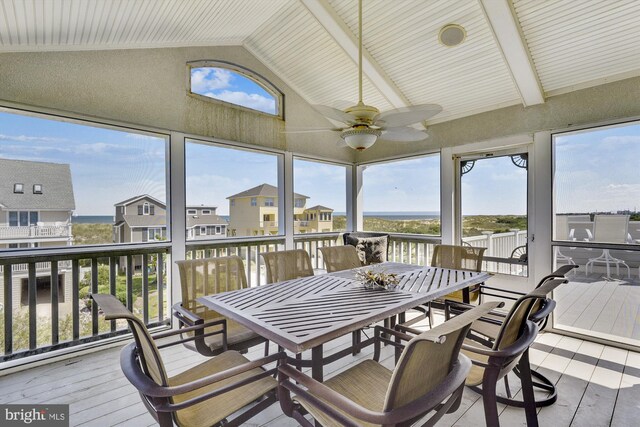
[377, 279]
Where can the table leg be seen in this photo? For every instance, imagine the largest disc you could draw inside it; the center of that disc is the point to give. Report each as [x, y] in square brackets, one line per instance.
[316, 363]
[465, 296]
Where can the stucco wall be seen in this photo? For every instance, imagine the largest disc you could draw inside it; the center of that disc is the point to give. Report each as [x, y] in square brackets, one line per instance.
[617, 100]
[149, 87]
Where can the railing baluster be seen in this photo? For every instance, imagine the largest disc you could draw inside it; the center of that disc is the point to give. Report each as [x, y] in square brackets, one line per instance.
[112, 283]
[160, 285]
[55, 333]
[94, 290]
[8, 310]
[145, 288]
[248, 266]
[75, 297]
[130, 282]
[32, 293]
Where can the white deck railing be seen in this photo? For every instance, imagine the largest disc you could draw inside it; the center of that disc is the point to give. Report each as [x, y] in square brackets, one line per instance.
[35, 231]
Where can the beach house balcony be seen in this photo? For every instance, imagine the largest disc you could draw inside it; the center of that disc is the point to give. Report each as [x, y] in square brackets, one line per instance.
[505, 131]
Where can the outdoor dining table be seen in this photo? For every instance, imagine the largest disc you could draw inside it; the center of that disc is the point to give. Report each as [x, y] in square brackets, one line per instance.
[305, 313]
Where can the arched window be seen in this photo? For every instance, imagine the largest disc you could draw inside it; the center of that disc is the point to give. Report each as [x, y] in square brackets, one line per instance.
[236, 85]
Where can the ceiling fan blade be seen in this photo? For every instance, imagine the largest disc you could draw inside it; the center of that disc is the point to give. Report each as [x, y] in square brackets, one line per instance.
[407, 115]
[335, 114]
[403, 134]
[310, 130]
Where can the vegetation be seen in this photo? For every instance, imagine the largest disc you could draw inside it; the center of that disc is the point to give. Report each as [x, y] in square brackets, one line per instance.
[92, 234]
[472, 225]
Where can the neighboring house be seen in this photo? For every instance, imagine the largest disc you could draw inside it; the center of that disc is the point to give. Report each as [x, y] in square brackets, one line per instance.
[36, 204]
[140, 219]
[203, 223]
[255, 212]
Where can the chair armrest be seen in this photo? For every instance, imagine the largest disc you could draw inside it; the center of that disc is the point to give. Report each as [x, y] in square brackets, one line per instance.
[148, 387]
[381, 329]
[405, 329]
[518, 346]
[545, 311]
[222, 322]
[322, 396]
[186, 316]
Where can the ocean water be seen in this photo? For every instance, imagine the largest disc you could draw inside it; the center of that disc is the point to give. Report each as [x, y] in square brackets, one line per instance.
[399, 215]
[92, 219]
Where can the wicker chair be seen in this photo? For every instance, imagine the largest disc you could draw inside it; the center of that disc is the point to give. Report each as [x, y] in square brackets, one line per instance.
[338, 258]
[203, 395]
[372, 247]
[371, 394]
[287, 265]
[200, 277]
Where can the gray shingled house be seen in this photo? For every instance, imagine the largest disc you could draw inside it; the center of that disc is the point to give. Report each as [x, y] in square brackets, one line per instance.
[36, 204]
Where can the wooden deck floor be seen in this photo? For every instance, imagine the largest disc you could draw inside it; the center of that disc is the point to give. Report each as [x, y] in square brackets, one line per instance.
[598, 386]
[605, 307]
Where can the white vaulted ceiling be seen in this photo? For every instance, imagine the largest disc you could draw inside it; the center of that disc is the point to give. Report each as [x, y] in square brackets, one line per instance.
[516, 51]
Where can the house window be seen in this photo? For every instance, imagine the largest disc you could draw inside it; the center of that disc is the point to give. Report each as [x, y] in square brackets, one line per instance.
[268, 201]
[399, 187]
[87, 169]
[146, 209]
[243, 178]
[191, 212]
[23, 218]
[156, 234]
[235, 85]
[218, 229]
[320, 185]
[206, 212]
[18, 188]
[203, 230]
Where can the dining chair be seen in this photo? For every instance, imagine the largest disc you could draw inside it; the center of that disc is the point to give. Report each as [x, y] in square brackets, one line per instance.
[204, 395]
[372, 247]
[207, 276]
[287, 265]
[338, 258]
[371, 394]
[609, 229]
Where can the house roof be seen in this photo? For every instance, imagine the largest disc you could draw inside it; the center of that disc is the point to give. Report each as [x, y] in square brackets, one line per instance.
[194, 220]
[263, 190]
[319, 208]
[136, 198]
[202, 207]
[55, 178]
[145, 220]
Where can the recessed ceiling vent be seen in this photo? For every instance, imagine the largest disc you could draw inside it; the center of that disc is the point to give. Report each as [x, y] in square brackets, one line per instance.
[452, 35]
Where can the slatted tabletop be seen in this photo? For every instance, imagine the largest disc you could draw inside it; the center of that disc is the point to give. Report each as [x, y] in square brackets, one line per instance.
[304, 313]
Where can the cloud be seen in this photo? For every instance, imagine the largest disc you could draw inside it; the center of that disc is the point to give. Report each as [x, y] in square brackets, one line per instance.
[249, 100]
[25, 138]
[210, 79]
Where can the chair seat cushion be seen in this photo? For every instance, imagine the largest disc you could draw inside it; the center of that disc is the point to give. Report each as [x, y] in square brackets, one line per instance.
[366, 384]
[213, 410]
[236, 334]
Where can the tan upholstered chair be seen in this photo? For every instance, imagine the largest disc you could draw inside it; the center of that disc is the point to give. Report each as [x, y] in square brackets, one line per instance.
[429, 377]
[459, 258]
[203, 395]
[287, 265]
[494, 360]
[337, 258]
[207, 276]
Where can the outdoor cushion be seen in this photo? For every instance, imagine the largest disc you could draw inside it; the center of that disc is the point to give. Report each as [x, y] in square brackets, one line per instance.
[371, 250]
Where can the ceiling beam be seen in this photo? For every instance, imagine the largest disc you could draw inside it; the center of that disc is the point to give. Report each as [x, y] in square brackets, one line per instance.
[508, 35]
[335, 26]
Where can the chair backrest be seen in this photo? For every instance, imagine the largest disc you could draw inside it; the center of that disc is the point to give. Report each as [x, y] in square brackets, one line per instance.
[287, 265]
[207, 276]
[562, 227]
[522, 309]
[436, 349]
[458, 257]
[372, 248]
[148, 353]
[337, 258]
[610, 228]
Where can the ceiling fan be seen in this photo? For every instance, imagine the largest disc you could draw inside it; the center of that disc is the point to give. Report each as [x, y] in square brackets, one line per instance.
[365, 124]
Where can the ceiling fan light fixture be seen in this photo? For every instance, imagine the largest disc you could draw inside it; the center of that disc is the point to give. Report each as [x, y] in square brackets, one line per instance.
[360, 138]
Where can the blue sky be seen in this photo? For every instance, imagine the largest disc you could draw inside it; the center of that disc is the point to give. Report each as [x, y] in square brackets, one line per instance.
[231, 87]
[107, 166]
[595, 171]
